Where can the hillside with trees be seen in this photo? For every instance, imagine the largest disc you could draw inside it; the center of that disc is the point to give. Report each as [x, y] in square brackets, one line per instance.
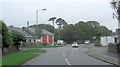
[82, 31]
[44, 26]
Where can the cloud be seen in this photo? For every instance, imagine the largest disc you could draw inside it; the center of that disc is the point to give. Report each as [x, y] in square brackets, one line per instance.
[0, 11]
[53, 1]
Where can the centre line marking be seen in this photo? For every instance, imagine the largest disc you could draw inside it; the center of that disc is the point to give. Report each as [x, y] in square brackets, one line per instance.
[64, 53]
[66, 58]
[67, 61]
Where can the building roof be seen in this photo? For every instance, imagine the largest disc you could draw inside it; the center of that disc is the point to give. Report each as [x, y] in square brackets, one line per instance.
[43, 31]
[46, 32]
[116, 33]
[29, 31]
[20, 30]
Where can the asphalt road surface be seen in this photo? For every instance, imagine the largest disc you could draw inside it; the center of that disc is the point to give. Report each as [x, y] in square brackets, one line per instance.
[65, 56]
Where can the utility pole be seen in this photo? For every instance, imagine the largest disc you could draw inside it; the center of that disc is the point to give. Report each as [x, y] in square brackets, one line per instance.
[37, 25]
[37, 28]
[28, 33]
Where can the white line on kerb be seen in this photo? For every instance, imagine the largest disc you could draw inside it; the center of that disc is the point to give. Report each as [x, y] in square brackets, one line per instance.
[66, 58]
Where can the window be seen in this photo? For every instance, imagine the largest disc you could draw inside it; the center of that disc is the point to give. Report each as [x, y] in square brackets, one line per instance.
[34, 40]
[30, 40]
[115, 40]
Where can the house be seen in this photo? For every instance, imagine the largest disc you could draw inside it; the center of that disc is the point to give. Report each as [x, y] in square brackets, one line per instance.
[29, 33]
[110, 39]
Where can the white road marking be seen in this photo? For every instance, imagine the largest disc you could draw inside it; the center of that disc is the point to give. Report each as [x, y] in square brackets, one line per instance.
[67, 61]
[66, 58]
[64, 53]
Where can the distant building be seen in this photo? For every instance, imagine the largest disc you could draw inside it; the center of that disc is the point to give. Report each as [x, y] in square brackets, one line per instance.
[110, 39]
[29, 33]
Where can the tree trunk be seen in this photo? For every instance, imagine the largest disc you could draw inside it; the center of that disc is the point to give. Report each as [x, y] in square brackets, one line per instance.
[2, 49]
[53, 23]
[17, 47]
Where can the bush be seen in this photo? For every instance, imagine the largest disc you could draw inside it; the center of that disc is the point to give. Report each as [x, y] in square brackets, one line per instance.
[44, 44]
[98, 40]
[17, 38]
[79, 42]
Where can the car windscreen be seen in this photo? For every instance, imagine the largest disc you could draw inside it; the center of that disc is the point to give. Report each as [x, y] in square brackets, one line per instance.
[74, 42]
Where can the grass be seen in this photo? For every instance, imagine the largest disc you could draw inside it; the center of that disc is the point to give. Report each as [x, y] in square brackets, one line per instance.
[33, 51]
[48, 46]
[17, 59]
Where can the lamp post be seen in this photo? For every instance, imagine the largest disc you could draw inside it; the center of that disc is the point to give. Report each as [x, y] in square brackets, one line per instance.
[37, 11]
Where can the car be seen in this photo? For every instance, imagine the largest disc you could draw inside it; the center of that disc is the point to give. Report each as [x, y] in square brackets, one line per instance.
[87, 41]
[75, 44]
[64, 43]
[61, 42]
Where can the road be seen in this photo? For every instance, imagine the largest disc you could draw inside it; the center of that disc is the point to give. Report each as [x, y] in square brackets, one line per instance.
[65, 56]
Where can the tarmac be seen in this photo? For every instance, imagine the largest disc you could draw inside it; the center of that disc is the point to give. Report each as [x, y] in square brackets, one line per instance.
[101, 53]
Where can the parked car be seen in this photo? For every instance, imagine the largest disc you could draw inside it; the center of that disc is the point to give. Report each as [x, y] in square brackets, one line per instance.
[61, 42]
[87, 41]
[75, 44]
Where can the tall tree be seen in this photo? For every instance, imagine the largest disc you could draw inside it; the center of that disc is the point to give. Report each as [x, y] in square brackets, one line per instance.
[6, 36]
[116, 6]
[52, 19]
[60, 22]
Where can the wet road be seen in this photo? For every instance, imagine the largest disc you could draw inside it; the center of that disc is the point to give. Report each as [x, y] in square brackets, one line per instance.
[65, 56]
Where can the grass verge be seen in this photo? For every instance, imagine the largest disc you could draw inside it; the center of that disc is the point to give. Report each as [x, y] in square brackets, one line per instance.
[48, 46]
[16, 59]
[33, 51]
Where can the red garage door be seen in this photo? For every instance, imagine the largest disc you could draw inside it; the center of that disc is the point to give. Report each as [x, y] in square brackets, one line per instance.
[50, 40]
[44, 38]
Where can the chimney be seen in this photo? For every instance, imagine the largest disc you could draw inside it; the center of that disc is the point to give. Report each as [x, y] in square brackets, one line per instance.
[28, 27]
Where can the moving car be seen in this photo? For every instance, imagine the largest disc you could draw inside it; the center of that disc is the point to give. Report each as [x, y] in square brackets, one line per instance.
[87, 41]
[75, 44]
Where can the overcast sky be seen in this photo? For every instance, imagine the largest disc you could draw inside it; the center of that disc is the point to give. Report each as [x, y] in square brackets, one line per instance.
[18, 12]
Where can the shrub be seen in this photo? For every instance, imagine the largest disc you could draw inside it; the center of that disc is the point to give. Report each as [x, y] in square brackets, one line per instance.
[79, 41]
[17, 38]
[44, 44]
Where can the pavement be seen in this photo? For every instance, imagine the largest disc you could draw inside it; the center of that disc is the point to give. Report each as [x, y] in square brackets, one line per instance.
[65, 56]
[101, 53]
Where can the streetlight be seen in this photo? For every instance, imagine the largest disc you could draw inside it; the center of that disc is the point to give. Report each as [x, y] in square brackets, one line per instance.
[37, 23]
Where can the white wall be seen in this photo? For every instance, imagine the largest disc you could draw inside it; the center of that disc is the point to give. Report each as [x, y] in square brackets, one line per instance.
[119, 25]
[106, 40]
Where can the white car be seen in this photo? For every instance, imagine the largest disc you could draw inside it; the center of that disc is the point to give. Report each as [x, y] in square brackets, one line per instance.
[75, 44]
[60, 42]
[87, 42]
